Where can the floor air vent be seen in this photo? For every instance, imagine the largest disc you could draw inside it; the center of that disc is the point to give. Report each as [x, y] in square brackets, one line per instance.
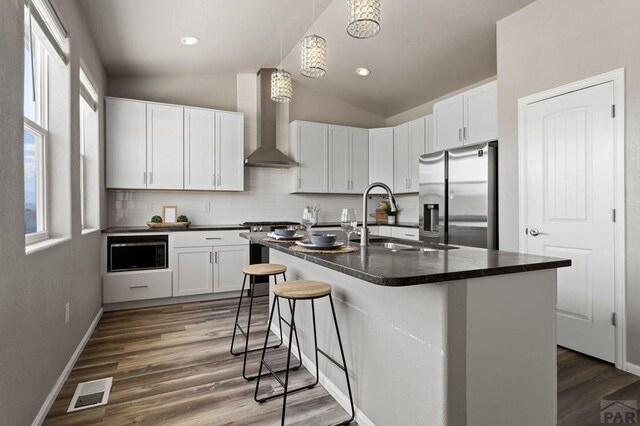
[91, 394]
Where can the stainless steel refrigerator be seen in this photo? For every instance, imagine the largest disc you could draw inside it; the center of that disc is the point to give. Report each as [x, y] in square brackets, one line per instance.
[459, 196]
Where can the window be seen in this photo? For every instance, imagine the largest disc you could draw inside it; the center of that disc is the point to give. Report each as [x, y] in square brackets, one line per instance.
[89, 139]
[35, 141]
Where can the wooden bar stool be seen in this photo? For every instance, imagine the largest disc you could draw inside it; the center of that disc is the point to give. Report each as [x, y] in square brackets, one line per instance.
[253, 271]
[294, 291]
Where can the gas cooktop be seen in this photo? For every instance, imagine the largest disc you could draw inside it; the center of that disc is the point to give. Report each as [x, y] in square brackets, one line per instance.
[270, 226]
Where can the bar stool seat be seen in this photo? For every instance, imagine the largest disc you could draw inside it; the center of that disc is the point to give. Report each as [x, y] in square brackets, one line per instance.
[294, 291]
[302, 289]
[261, 269]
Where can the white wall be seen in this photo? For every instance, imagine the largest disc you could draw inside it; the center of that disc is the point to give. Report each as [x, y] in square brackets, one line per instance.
[550, 43]
[36, 344]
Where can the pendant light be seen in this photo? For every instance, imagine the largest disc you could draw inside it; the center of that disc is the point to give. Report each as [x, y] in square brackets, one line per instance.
[281, 85]
[363, 20]
[313, 51]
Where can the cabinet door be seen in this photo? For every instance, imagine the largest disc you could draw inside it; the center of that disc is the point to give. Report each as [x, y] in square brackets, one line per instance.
[481, 114]
[126, 144]
[199, 149]
[405, 233]
[312, 157]
[230, 151]
[401, 155]
[448, 122]
[228, 264]
[381, 157]
[192, 271]
[417, 147]
[165, 136]
[359, 159]
[339, 180]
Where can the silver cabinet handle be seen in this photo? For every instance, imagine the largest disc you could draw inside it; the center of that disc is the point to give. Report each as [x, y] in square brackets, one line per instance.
[209, 257]
[219, 180]
[534, 232]
[144, 177]
[216, 257]
[464, 133]
[299, 183]
[460, 135]
[150, 177]
[213, 180]
[138, 286]
[213, 238]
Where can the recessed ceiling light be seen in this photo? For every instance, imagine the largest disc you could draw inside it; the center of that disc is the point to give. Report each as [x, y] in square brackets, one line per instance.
[362, 71]
[189, 40]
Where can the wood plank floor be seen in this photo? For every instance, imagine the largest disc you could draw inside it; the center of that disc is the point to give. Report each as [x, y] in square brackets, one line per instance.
[171, 366]
[583, 382]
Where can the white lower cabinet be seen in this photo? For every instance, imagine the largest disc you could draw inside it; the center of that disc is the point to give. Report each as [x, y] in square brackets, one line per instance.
[228, 264]
[405, 233]
[138, 285]
[192, 271]
[384, 231]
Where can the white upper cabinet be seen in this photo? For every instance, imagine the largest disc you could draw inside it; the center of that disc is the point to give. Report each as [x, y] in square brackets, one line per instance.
[359, 159]
[381, 157]
[309, 143]
[481, 114]
[229, 151]
[448, 122]
[467, 118]
[199, 149]
[161, 146]
[165, 135]
[339, 164]
[410, 142]
[126, 144]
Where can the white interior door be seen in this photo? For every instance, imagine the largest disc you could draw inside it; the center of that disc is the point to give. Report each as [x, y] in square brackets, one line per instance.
[569, 161]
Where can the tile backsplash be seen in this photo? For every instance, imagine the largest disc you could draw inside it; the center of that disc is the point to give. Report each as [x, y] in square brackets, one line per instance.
[266, 197]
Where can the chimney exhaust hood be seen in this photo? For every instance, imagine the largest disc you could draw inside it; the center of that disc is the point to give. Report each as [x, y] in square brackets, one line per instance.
[267, 154]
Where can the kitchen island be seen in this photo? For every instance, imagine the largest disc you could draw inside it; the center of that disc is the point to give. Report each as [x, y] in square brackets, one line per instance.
[438, 336]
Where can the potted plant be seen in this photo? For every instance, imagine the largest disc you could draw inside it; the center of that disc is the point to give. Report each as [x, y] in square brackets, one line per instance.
[391, 216]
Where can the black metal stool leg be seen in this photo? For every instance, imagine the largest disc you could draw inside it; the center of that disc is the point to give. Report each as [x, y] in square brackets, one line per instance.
[235, 325]
[246, 340]
[286, 373]
[275, 279]
[264, 349]
[344, 362]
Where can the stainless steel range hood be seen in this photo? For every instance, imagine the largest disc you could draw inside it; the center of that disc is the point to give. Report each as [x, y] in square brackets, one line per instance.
[267, 154]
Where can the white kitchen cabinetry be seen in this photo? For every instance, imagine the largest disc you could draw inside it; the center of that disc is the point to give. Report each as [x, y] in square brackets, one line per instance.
[138, 285]
[229, 151]
[410, 142]
[165, 147]
[384, 231]
[381, 157]
[481, 114]
[332, 159]
[207, 261]
[161, 146]
[228, 264]
[309, 145]
[406, 233]
[192, 271]
[126, 144]
[468, 118]
[348, 159]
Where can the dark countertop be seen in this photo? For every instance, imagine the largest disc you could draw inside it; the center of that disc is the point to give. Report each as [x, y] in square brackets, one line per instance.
[399, 224]
[131, 229]
[381, 266]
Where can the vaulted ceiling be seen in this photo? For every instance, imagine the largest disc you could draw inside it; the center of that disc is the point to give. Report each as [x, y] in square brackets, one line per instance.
[425, 49]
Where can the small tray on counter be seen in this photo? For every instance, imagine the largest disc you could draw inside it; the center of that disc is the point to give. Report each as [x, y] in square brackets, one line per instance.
[168, 224]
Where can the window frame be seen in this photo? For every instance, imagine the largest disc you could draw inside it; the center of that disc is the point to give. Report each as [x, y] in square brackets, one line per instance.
[39, 128]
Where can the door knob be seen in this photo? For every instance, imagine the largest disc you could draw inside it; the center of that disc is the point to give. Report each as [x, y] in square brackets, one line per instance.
[534, 232]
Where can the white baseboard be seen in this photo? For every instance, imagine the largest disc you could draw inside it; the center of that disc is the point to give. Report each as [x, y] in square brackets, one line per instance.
[330, 387]
[632, 368]
[44, 410]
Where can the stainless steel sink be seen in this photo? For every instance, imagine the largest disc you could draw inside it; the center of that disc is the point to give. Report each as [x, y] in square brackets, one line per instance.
[396, 247]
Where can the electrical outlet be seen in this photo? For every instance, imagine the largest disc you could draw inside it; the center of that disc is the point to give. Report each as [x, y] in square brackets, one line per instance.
[67, 313]
[206, 207]
[149, 207]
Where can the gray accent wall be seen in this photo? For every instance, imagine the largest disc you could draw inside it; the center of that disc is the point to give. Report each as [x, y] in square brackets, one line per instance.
[551, 43]
[35, 342]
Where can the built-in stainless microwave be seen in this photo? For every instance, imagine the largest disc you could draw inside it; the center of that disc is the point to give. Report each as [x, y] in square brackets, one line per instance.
[134, 253]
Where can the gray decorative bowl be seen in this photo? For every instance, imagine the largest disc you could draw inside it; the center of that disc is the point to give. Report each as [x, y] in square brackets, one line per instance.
[323, 240]
[287, 233]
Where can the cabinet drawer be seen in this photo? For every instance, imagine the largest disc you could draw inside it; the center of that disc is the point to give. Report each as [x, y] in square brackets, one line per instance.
[208, 238]
[142, 285]
[406, 233]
